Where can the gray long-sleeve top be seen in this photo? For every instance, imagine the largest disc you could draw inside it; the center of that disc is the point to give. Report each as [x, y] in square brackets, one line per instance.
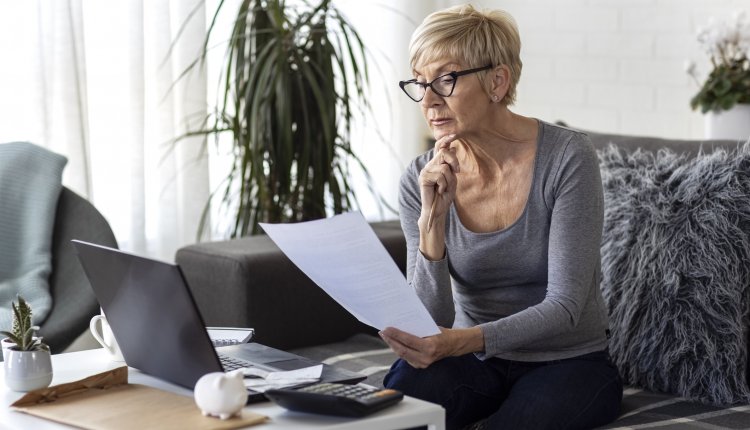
[533, 287]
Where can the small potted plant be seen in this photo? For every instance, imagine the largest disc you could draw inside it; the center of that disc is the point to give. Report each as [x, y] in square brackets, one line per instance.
[724, 95]
[27, 361]
[20, 318]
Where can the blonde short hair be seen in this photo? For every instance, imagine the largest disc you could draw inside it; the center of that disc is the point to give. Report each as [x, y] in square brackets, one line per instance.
[475, 38]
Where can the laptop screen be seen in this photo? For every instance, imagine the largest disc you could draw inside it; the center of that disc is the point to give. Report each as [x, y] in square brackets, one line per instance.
[151, 312]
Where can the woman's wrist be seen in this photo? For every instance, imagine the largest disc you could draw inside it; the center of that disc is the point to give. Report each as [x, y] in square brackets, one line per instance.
[466, 341]
[432, 242]
[473, 340]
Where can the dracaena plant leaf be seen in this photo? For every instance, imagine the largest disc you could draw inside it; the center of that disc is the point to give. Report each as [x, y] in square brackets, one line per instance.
[294, 78]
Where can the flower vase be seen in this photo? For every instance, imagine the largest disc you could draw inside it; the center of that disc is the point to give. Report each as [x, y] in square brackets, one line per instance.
[733, 124]
[27, 370]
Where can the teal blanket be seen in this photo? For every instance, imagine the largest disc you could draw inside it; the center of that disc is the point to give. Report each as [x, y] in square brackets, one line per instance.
[30, 183]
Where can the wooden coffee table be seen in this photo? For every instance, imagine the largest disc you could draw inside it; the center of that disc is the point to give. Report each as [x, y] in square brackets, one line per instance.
[69, 367]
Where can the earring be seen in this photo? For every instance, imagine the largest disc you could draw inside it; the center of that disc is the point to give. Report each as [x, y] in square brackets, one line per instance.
[495, 98]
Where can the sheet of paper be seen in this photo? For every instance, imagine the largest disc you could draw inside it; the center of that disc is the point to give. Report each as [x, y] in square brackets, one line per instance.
[261, 381]
[345, 258]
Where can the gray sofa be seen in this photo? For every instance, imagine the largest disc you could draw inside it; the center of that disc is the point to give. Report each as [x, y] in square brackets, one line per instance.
[249, 282]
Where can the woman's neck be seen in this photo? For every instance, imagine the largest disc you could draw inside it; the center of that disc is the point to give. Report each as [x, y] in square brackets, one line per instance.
[507, 138]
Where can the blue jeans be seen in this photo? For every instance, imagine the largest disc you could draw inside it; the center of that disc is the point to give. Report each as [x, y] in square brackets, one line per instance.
[575, 393]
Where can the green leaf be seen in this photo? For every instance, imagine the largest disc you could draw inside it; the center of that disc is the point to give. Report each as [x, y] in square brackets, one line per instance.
[11, 336]
[723, 86]
[726, 103]
[293, 79]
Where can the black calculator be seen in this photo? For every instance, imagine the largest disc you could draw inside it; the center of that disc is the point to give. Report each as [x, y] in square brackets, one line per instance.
[335, 399]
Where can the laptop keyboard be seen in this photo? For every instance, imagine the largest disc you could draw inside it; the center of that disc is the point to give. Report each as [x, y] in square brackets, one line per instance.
[231, 363]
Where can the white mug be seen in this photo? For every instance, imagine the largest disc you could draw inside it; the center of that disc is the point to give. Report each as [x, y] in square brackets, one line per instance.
[106, 338]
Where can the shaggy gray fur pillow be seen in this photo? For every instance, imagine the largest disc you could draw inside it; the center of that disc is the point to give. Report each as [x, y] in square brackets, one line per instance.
[676, 270]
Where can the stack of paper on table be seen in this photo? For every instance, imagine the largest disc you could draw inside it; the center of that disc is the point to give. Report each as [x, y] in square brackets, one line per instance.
[261, 381]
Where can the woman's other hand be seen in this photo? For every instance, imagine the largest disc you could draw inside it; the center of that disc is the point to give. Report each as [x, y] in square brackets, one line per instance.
[421, 352]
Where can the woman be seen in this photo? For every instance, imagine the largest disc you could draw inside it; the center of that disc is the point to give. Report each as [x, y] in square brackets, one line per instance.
[503, 222]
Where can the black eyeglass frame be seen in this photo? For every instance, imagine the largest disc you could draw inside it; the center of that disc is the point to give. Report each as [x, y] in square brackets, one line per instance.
[454, 74]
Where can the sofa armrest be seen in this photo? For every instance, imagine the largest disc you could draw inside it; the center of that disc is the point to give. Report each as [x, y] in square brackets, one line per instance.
[249, 282]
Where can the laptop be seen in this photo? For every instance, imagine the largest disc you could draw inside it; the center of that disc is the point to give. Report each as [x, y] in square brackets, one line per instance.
[159, 329]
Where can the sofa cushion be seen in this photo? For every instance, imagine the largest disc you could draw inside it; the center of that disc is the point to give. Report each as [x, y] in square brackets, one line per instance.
[676, 270]
[645, 409]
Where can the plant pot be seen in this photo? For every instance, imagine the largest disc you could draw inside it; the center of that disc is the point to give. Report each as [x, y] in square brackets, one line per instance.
[6, 343]
[27, 370]
[729, 124]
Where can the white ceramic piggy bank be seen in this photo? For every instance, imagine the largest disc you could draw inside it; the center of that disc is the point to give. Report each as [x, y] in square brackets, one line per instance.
[221, 394]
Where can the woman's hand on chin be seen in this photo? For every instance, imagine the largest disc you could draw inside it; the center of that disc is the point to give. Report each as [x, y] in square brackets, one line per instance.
[437, 179]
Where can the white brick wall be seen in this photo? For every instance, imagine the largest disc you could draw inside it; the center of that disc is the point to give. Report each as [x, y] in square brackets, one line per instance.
[613, 65]
[623, 57]
[608, 65]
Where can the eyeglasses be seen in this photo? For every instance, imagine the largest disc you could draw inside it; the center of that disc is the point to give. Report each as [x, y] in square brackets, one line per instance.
[442, 85]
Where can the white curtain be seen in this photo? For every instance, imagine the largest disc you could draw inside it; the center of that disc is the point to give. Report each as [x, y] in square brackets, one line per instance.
[396, 132]
[97, 81]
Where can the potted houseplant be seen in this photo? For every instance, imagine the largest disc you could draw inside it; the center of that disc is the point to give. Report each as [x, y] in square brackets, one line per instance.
[724, 96]
[27, 362]
[293, 80]
[21, 318]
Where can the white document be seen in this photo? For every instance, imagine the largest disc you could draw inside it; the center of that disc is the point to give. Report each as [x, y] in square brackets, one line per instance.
[345, 258]
[261, 380]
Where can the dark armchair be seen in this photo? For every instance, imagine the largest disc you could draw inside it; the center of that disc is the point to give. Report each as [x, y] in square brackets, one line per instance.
[73, 300]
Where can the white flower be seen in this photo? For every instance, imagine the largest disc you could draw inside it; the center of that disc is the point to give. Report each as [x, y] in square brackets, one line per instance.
[727, 43]
[742, 26]
[744, 46]
[690, 67]
[739, 18]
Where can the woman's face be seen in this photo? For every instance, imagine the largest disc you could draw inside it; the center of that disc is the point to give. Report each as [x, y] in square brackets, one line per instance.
[464, 112]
